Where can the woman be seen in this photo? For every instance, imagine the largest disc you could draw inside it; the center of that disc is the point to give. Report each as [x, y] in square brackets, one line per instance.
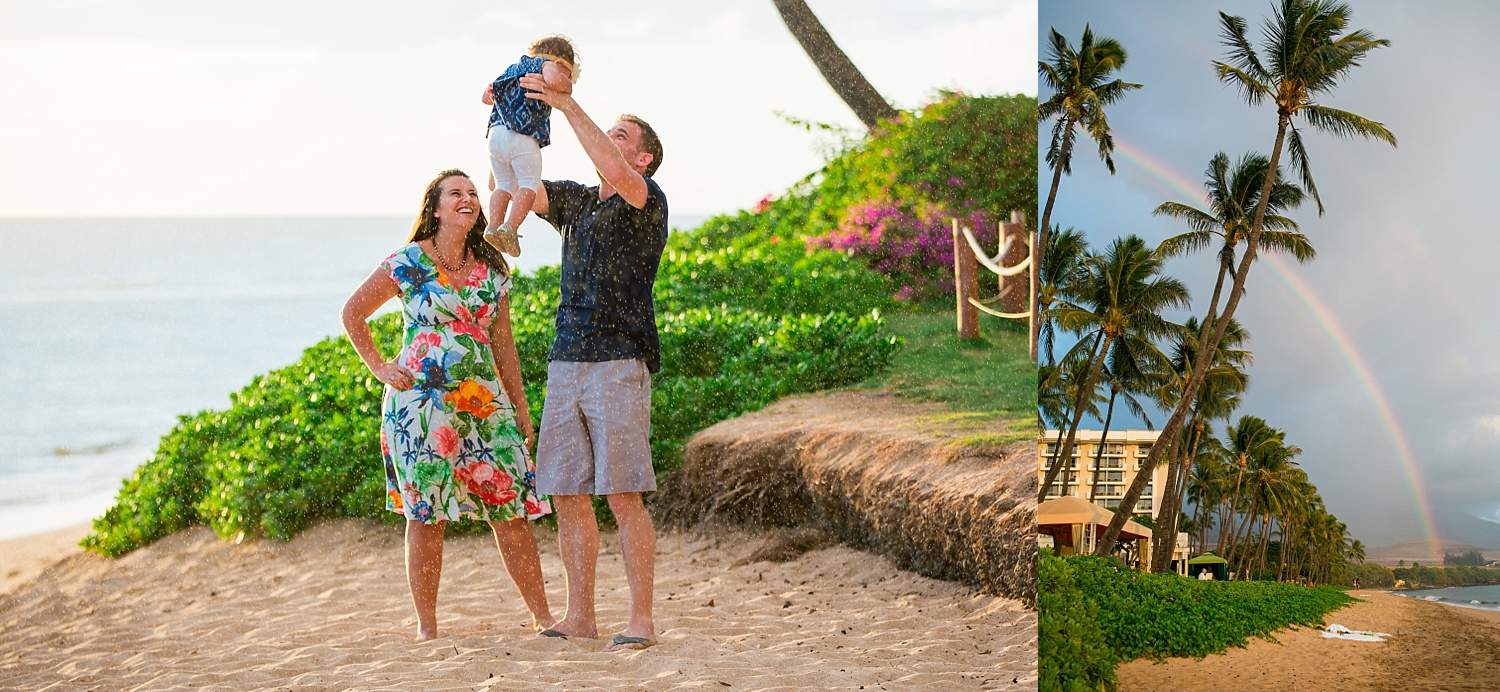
[453, 445]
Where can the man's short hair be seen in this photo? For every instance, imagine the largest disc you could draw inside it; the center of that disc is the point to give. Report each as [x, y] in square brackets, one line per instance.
[650, 143]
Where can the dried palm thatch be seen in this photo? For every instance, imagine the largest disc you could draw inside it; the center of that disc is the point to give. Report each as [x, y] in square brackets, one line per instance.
[940, 495]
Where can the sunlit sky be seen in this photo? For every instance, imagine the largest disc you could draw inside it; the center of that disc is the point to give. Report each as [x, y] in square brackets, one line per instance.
[1405, 253]
[283, 108]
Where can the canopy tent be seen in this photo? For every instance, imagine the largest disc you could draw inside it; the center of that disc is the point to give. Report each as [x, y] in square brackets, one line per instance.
[1217, 566]
[1077, 523]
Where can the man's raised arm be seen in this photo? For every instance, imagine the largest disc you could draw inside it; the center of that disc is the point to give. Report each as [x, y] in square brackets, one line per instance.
[606, 157]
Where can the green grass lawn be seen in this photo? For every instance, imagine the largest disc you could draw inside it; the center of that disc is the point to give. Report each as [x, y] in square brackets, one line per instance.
[991, 376]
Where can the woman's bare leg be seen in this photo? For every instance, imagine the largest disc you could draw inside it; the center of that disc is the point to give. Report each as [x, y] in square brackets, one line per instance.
[424, 570]
[524, 565]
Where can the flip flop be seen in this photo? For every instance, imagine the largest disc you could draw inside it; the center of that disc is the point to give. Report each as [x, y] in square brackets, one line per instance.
[622, 640]
[552, 633]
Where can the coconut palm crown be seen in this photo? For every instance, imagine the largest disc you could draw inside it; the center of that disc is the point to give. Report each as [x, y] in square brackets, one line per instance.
[1306, 56]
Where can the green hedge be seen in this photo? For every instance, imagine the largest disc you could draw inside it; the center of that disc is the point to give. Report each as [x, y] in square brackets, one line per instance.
[1155, 616]
[302, 442]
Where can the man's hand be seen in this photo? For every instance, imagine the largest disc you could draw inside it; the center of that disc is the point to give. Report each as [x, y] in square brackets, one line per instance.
[488, 97]
[602, 151]
[543, 92]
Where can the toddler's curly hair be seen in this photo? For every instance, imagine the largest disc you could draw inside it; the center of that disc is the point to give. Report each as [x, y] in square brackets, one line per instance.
[556, 47]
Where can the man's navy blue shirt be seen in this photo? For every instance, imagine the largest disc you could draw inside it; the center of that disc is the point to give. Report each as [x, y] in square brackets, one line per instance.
[610, 254]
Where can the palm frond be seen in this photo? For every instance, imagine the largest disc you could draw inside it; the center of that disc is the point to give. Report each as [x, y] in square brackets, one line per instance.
[1251, 88]
[1345, 124]
[1301, 166]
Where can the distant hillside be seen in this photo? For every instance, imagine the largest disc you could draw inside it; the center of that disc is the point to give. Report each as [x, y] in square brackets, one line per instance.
[1419, 551]
[1470, 529]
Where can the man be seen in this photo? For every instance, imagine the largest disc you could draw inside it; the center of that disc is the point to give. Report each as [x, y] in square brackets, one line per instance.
[597, 416]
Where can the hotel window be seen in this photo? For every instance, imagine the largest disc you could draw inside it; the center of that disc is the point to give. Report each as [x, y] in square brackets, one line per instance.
[1143, 451]
[1143, 506]
[1114, 449]
[1111, 504]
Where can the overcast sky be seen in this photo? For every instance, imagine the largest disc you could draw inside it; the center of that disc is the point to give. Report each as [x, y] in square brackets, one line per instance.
[337, 108]
[1405, 253]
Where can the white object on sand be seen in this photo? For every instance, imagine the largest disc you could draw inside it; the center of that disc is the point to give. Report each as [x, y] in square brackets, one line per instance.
[1337, 631]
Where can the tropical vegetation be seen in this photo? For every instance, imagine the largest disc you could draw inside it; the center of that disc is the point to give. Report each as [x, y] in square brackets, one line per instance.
[1234, 480]
[751, 307]
[1095, 615]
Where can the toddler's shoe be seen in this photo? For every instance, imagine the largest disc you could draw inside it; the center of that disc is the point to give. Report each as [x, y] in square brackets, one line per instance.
[504, 239]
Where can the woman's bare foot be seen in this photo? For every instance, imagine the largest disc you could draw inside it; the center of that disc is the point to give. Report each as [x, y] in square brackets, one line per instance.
[426, 634]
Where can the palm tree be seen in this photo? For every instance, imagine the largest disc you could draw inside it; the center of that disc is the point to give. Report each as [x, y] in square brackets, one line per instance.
[1057, 386]
[1233, 195]
[835, 66]
[1217, 398]
[1123, 297]
[1309, 54]
[1062, 270]
[1132, 367]
[1249, 439]
[1081, 88]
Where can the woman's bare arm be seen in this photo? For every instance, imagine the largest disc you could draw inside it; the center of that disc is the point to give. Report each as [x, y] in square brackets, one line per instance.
[508, 367]
[373, 293]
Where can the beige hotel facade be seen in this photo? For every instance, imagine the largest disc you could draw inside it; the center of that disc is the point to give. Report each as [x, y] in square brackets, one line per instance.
[1118, 462]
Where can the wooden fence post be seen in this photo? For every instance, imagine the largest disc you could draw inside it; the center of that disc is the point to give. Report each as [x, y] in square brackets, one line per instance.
[966, 284]
[1013, 289]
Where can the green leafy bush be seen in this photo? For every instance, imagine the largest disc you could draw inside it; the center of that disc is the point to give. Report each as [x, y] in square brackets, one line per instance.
[1162, 615]
[1071, 651]
[302, 442]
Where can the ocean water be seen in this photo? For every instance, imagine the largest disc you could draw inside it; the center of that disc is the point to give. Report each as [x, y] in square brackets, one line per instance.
[1481, 597]
[111, 328]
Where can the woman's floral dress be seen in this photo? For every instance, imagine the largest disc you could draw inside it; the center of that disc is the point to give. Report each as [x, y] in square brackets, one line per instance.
[450, 443]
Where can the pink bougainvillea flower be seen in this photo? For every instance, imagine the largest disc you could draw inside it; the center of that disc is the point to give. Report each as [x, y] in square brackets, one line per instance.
[763, 204]
[445, 441]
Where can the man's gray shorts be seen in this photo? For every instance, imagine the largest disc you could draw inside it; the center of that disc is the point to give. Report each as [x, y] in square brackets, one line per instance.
[595, 427]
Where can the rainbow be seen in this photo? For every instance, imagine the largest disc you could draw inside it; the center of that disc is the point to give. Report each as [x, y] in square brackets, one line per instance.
[1329, 326]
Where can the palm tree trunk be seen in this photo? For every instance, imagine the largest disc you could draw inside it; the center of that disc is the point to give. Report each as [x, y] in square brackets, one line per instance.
[1205, 347]
[1045, 228]
[834, 64]
[1164, 538]
[1099, 453]
[1085, 390]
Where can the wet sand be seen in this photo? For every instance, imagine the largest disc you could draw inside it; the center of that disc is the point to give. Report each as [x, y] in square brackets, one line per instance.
[330, 610]
[1432, 647]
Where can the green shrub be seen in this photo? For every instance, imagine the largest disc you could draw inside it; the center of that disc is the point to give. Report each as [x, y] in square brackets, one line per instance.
[1158, 616]
[302, 442]
[1072, 653]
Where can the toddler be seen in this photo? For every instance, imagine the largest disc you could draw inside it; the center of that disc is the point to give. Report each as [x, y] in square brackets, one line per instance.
[518, 129]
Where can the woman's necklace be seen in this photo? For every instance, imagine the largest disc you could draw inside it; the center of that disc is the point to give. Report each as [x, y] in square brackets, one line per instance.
[444, 260]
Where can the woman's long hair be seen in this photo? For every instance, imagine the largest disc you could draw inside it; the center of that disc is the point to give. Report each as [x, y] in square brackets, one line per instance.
[426, 225]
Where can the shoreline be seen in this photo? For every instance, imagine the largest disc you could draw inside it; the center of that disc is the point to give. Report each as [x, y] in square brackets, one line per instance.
[1430, 647]
[1446, 602]
[330, 608]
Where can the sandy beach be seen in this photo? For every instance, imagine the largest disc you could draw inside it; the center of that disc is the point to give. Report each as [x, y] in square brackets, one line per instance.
[1432, 647]
[330, 610]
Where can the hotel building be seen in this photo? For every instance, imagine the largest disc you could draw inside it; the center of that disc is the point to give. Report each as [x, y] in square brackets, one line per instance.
[1118, 465]
[1112, 465]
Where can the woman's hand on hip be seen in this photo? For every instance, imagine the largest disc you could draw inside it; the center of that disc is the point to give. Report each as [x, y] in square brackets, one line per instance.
[397, 377]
